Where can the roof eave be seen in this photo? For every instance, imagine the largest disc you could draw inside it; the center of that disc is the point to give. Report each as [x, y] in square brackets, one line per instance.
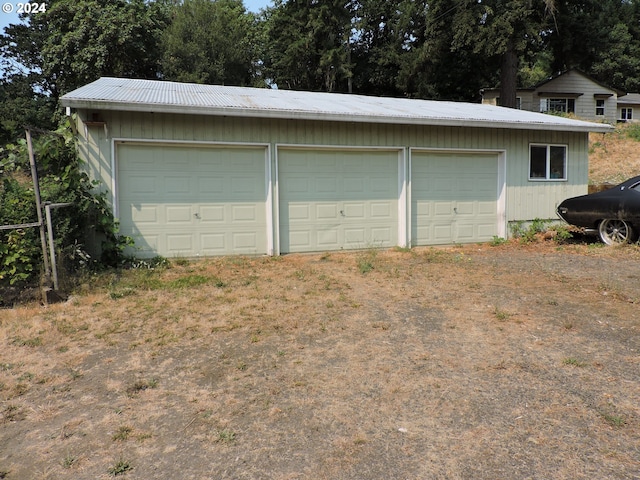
[300, 115]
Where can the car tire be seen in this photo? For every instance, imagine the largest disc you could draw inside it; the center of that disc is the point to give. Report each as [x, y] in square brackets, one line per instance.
[614, 231]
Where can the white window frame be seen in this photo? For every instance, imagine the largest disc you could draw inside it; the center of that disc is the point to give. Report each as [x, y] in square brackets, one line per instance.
[600, 107]
[548, 176]
[626, 113]
[557, 105]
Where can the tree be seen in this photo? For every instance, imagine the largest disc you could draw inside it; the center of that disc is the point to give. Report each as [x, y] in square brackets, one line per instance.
[211, 42]
[439, 68]
[75, 42]
[307, 44]
[385, 37]
[504, 29]
[21, 106]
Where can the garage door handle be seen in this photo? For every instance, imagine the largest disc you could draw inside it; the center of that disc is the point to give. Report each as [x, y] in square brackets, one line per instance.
[197, 215]
[455, 209]
[342, 213]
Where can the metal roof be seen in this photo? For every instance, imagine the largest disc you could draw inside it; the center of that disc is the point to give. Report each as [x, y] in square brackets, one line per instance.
[188, 98]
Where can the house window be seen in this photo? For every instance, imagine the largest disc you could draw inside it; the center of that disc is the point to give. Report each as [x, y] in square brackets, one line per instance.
[547, 162]
[600, 108]
[563, 105]
[626, 114]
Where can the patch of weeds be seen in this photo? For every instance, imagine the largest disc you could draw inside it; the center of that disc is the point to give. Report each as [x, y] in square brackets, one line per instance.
[4, 473]
[20, 389]
[574, 362]
[501, 314]
[366, 260]
[122, 433]
[403, 249]
[568, 325]
[156, 263]
[562, 233]
[299, 274]
[120, 468]
[141, 385]
[226, 436]
[75, 374]
[633, 132]
[496, 241]
[613, 420]
[27, 342]
[181, 262]
[122, 293]
[26, 376]
[528, 234]
[12, 413]
[144, 436]
[242, 366]
[69, 461]
[188, 281]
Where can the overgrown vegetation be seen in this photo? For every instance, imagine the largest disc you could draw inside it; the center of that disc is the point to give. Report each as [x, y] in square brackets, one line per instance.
[538, 229]
[61, 180]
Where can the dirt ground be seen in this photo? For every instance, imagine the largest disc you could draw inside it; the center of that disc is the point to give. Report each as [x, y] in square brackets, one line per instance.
[477, 362]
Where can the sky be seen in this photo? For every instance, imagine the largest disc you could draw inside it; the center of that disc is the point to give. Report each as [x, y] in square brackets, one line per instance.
[9, 9]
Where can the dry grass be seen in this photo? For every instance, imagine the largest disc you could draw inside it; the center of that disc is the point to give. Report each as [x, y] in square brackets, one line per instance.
[471, 362]
[613, 157]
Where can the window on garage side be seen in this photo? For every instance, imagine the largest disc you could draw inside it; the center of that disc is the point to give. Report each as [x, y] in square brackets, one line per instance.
[547, 162]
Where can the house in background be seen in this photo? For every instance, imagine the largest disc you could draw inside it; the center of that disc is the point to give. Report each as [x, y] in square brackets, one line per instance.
[199, 170]
[570, 92]
[626, 106]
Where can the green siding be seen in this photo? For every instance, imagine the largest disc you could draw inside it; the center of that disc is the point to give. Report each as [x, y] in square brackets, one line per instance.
[525, 200]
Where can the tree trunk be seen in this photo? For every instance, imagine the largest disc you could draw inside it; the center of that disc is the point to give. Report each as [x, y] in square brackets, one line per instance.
[509, 76]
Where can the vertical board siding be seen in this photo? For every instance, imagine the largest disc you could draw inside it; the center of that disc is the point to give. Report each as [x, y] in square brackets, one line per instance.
[525, 200]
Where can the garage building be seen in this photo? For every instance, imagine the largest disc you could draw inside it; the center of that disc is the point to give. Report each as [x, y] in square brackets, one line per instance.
[199, 170]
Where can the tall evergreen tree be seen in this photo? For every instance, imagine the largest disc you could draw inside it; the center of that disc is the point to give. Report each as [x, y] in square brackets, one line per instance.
[211, 42]
[308, 44]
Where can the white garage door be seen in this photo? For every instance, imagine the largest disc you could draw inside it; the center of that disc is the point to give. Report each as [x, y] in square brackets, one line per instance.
[453, 197]
[179, 200]
[337, 199]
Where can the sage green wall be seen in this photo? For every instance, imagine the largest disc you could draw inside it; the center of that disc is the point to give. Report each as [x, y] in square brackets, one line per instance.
[525, 200]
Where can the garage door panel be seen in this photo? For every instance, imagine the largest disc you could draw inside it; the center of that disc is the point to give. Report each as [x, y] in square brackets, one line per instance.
[381, 210]
[179, 243]
[193, 200]
[212, 213]
[324, 186]
[178, 214]
[325, 212]
[354, 210]
[454, 197]
[212, 243]
[214, 186]
[244, 213]
[143, 214]
[349, 194]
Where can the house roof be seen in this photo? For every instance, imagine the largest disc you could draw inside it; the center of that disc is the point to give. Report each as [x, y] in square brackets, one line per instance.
[582, 74]
[629, 99]
[185, 98]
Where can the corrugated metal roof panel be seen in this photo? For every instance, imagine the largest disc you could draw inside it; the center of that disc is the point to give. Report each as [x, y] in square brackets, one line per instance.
[171, 97]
